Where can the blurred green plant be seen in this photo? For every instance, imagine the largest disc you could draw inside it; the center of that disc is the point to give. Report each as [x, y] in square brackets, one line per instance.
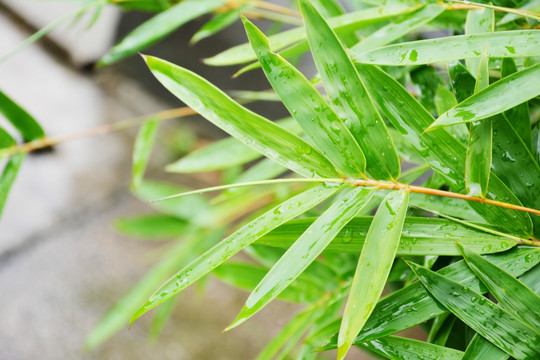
[343, 222]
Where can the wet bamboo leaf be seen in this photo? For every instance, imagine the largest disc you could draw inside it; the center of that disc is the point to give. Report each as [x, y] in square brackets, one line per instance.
[447, 206]
[481, 349]
[349, 97]
[439, 148]
[444, 99]
[20, 119]
[218, 23]
[330, 9]
[523, 85]
[225, 153]
[478, 21]
[426, 81]
[479, 153]
[393, 313]
[325, 129]
[399, 28]
[374, 265]
[514, 43]
[143, 149]
[420, 236]
[253, 130]
[398, 348]
[511, 294]
[441, 328]
[152, 227]
[304, 251]
[7, 178]
[344, 24]
[236, 242]
[521, 118]
[158, 27]
[489, 320]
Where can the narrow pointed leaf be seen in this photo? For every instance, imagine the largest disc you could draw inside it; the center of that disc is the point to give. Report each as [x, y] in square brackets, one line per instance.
[511, 294]
[20, 119]
[344, 24]
[439, 148]
[224, 153]
[304, 251]
[398, 28]
[11, 169]
[399, 348]
[481, 349]
[218, 23]
[6, 140]
[489, 320]
[158, 27]
[479, 153]
[393, 313]
[419, 236]
[514, 43]
[236, 242]
[444, 99]
[478, 21]
[349, 97]
[163, 314]
[253, 130]
[151, 227]
[308, 107]
[143, 149]
[374, 265]
[330, 9]
[520, 115]
[523, 86]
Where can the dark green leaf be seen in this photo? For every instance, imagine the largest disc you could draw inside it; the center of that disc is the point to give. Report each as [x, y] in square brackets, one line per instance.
[21, 120]
[481, 349]
[398, 348]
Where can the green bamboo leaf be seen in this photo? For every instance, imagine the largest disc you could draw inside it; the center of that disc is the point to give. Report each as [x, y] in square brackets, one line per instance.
[158, 27]
[7, 178]
[20, 119]
[441, 328]
[374, 265]
[142, 150]
[448, 206]
[478, 21]
[236, 242]
[6, 140]
[511, 294]
[399, 28]
[393, 313]
[326, 130]
[399, 348]
[531, 5]
[489, 320]
[514, 43]
[349, 97]
[420, 236]
[444, 99]
[426, 80]
[163, 314]
[218, 23]
[225, 153]
[521, 118]
[344, 24]
[253, 130]
[523, 85]
[304, 251]
[479, 150]
[246, 276]
[330, 9]
[151, 227]
[481, 349]
[444, 153]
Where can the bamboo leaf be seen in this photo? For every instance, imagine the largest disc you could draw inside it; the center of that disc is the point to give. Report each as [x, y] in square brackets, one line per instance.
[344, 24]
[489, 320]
[158, 27]
[163, 314]
[513, 43]
[330, 9]
[399, 28]
[20, 119]
[479, 153]
[444, 99]
[478, 21]
[7, 178]
[225, 153]
[349, 97]
[236, 242]
[248, 127]
[511, 294]
[304, 251]
[523, 85]
[151, 227]
[481, 349]
[444, 153]
[142, 150]
[218, 23]
[374, 265]
[420, 236]
[6, 140]
[398, 348]
[325, 129]
[393, 313]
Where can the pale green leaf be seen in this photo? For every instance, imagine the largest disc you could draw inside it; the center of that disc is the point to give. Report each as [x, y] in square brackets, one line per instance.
[142, 150]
